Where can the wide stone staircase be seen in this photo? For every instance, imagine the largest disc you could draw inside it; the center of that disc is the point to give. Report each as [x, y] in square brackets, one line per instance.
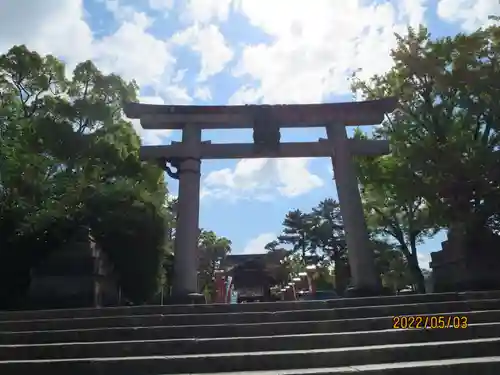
[342, 336]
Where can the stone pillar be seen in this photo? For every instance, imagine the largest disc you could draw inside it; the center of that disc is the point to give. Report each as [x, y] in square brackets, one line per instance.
[365, 280]
[185, 280]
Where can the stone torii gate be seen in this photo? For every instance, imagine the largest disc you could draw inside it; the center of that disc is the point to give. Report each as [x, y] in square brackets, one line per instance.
[265, 120]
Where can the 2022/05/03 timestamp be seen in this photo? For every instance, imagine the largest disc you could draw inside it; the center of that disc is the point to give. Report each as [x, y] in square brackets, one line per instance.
[429, 321]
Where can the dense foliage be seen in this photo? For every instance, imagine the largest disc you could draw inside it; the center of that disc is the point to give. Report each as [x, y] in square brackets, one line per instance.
[317, 237]
[444, 137]
[69, 160]
[212, 250]
[443, 171]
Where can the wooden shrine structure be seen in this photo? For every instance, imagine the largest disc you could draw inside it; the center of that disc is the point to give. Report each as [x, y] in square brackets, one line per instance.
[182, 161]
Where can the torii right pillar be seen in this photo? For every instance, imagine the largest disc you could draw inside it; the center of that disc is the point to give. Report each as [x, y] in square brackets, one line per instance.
[365, 280]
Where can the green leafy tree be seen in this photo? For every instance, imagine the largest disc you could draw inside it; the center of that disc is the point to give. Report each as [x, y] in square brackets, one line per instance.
[394, 210]
[322, 232]
[296, 233]
[391, 265]
[68, 159]
[285, 260]
[444, 168]
[212, 251]
[318, 234]
[446, 129]
[327, 237]
[171, 204]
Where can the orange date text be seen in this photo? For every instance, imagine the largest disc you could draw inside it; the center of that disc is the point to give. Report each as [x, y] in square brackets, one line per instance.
[429, 321]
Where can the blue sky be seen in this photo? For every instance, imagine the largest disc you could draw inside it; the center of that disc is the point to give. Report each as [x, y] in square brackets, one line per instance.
[233, 52]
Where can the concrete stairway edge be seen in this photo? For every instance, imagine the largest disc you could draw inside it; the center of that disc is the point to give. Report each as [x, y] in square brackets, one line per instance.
[250, 307]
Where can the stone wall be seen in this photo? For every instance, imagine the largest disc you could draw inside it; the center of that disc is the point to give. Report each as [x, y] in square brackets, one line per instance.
[466, 264]
[78, 275]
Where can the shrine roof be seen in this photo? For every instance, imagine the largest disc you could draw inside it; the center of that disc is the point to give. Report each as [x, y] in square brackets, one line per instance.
[239, 259]
[155, 116]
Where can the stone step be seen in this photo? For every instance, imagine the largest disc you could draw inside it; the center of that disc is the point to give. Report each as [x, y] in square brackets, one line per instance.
[246, 344]
[246, 307]
[250, 317]
[462, 366]
[222, 330]
[257, 361]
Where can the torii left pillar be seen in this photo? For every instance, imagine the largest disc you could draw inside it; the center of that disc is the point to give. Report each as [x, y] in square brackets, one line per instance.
[185, 282]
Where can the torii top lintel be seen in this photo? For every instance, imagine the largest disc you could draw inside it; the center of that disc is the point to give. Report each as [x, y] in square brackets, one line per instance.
[155, 116]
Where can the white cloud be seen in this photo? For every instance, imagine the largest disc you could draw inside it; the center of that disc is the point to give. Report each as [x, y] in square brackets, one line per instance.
[175, 94]
[119, 11]
[261, 179]
[411, 11]
[161, 5]
[206, 10]
[203, 93]
[179, 75]
[256, 245]
[317, 45]
[246, 94]
[51, 26]
[150, 137]
[135, 54]
[470, 14]
[210, 44]
[58, 27]
[424, 260]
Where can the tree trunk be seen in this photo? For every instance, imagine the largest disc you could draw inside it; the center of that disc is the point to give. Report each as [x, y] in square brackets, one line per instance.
[416, 272]
[341, 275]
[304, 251]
